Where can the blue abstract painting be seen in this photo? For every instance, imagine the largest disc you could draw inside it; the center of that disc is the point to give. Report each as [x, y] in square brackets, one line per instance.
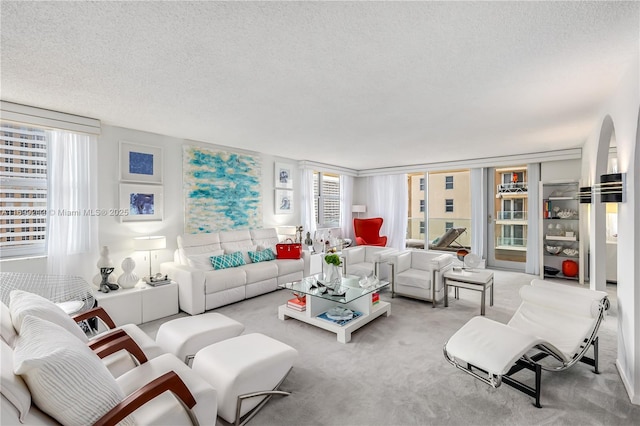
[222, 190]
[140, 163]
[141, 204]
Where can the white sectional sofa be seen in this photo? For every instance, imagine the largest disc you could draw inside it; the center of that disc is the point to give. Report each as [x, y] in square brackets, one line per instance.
[202, 288]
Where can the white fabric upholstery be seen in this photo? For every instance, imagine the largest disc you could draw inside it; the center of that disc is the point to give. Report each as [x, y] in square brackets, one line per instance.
[166, 409]
[203, 261]
[7, 330]
[184, 337]
[243, 364]
[22, 304]
[361, 260]
[12, 386]
[66, 379]
[416, 271]
[201, 289]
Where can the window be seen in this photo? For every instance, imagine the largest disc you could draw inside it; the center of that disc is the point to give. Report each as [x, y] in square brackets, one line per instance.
[448, 182]
[421, 205]
[422, 226]
[326, 191]
[421, 184]
[23, 196]
[448, 205]
[448, 225]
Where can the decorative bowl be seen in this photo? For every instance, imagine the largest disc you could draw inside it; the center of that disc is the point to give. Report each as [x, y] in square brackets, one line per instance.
[553, 249]
[566, 214]
[548, 270]
[570, 251]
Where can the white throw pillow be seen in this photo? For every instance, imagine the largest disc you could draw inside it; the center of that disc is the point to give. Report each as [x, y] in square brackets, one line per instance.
[13, 387]
[203, 261]
[66, 379]
[7, 331]
[23, 303]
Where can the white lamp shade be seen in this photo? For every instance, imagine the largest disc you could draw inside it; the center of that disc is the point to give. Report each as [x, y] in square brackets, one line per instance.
[358, 208]
[156, 242]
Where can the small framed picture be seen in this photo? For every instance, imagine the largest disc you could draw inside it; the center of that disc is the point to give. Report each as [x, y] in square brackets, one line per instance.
[143, 202]
[283, 176]
[140, 163]
[284, 201]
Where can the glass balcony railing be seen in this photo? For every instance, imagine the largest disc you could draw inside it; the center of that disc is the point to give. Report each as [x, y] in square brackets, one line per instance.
[511, 242]
[512, 215]
[512, 188]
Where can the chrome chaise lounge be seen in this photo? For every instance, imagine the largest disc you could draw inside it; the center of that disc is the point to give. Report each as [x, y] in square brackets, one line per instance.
[553, 320]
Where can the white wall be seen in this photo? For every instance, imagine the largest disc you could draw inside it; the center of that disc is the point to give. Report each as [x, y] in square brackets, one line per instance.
[560, 170]
[623, 109]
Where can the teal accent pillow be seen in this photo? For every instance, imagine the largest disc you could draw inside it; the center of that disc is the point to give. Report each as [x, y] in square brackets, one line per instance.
[262, 256]
[225, 261]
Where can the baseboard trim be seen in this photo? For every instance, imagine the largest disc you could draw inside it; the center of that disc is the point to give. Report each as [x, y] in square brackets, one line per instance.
[635, 399]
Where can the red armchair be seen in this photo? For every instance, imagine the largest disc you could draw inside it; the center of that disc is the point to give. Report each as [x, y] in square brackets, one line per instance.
[368, 232]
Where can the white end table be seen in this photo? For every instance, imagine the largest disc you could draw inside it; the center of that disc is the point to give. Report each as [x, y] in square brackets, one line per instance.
[477, 280]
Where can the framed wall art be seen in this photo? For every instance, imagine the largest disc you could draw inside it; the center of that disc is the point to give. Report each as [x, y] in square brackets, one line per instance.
[143, 202]
[283, 176]
[140, 163]
[284, 201]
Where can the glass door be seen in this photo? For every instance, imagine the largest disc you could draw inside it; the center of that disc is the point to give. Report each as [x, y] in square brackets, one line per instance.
[507, 209]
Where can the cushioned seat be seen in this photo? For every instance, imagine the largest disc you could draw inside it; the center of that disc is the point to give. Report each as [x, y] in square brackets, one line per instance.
[245, 371]
[183, 337]
[419, 274]
[552, 320]
[366, 260]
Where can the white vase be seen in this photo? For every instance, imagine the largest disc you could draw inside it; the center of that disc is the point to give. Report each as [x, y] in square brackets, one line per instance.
[333, 275]
[128, 279]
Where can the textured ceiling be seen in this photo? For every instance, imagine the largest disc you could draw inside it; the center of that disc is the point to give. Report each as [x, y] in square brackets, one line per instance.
[356, 84]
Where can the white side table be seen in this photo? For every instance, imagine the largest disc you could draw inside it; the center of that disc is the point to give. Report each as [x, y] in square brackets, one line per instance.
[140, 304]
[478, 280]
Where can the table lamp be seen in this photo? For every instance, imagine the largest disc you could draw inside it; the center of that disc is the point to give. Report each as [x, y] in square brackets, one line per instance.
[156, 242]
[358, 208]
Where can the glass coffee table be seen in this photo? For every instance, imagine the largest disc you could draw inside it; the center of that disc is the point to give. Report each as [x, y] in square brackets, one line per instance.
[325, 310]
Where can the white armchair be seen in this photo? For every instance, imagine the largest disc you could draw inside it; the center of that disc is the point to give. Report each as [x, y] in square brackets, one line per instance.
[364, 260]
[419, 274]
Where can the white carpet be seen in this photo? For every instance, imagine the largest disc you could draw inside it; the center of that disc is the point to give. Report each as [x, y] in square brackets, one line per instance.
[393, 371]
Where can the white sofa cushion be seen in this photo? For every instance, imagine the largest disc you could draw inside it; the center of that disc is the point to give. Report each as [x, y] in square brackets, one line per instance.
[7, 331]
[66, 379]
[12, 386]
[262, 271]
[224, 279]
[203, 261]
[414, 278]
[23, 303]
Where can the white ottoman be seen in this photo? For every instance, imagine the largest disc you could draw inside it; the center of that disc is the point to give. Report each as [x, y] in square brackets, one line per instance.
[183, 337]
[245, 371]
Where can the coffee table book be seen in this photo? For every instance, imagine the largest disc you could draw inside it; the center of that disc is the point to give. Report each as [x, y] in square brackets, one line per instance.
[297, 304]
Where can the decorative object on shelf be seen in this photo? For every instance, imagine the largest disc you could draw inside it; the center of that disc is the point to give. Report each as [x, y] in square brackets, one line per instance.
[308, 241]
[150, 243]
[339, 313]
[553, 249]
[299, 231]
[104, 280]
[369, 281]
[566, 214]
[140, 163]
[472, 261]
[333, 274]
[569, 268]
[549, 270]
[461, 254]
[570, 252]
[128, 279]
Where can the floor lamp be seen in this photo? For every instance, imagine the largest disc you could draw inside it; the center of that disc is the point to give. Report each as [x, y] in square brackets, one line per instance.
[149, 244]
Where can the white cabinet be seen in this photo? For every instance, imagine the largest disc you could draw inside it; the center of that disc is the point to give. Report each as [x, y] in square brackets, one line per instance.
[561, 252]
[140, 304]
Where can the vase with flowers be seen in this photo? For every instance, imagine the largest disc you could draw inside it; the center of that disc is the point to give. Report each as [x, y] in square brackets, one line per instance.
[333, 273]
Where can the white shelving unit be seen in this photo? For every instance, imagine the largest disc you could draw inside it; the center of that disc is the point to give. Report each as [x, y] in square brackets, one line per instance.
[560, 228]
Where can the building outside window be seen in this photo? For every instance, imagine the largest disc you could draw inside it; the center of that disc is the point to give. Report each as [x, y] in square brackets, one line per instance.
[326, 191]
[448, 205]
[421, 184]
[448, 182]
[448, 225]
[421, 205]
[23, 195]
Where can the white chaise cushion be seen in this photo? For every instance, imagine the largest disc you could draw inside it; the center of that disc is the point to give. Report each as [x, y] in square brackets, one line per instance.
[66, 379]
[12, 386]
[489, 345]
[23, 303]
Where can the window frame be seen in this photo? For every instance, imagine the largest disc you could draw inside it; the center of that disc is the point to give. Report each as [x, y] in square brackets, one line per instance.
[321, 197]
[448, 182]
[448, 205]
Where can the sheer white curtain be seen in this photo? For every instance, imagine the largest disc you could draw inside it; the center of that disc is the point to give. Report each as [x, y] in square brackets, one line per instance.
[72, 238]
[307, 212]
[533, 214]
[479, 211]
[388, 198]
[346, 200]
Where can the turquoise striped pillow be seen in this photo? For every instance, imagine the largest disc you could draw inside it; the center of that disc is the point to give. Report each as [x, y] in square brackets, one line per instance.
[225, 261]
[262, 256]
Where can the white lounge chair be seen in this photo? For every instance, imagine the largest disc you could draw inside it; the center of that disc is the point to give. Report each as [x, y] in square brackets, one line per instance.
[553, 320]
